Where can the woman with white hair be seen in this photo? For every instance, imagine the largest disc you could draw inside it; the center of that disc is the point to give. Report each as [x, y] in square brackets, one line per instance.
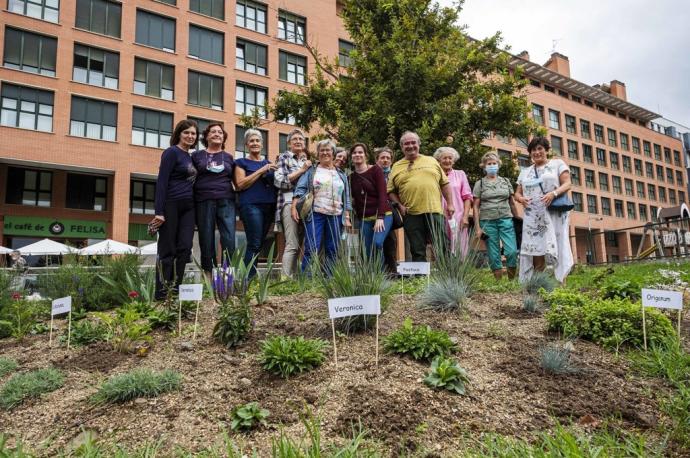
[331, 206]
[254, 182]
[494, 208]
[457, 225]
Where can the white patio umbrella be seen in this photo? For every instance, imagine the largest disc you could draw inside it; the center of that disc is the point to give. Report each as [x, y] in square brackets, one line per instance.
[45, 247]
[150, 249]
[4, 250]
[108, 246]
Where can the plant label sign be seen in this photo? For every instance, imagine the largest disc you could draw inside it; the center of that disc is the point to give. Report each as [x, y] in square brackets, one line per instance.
[191, 292]
[61, 305]
[662, 299]
[414, 268]
[355, 305]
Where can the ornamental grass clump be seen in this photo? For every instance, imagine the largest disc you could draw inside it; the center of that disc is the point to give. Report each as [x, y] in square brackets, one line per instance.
[531, 304]
[446, 374]
[420, 342]
[287, 356]
[539, 281]
[139, 383]
[556, 359]
[29, 385]
[248, 416]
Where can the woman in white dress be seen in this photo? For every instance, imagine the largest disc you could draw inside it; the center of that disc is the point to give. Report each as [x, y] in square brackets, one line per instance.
[545, 233]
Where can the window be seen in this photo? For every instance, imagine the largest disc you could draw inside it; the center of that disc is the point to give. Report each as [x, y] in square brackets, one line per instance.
[554, 119]
[679, 178]
[291, 27]
[48, 10]
[155, 31]
[614, 159]
[213, 8]
[649, 169]
[672, 197]
[651, 192]
[638, 167]
[96, 66]
[657, 152]
[523, 161]
[240, 146]
[572, 150]
[589, 179]
[538, 114]
[618, 207]
[93, 119]
[635, 145]
[603, 181]
[643, 211]
[681, 197]
[601, 157]
[250, 15]
[169, 2]
[86, 192]
[611, 239]
[669, 175]
[563, 94]
[29, 52]
[575, 98]
[151, 128]
[99, 16]
[598, 133]
[647, 149]
[585, 131]
[575, 175]
[592, 204]
[206, 44]
[667, 155]
[26, 108]
[587, 153]
[154, 79]
[627, 164]
[249, 98]
[142, 197]
[653, 210]
[577, 201]
[205, 90]
[625, 142]
[628, 187]
[676, 157]
[662, 194]
[613, 141]
[640, 189]
[660, 173]
[549, 88]
[557, 145]
[344, 49]
[616, 181]
[251, 57]
[570, 124]
[292, 68]
[29, 187]
[606, 206]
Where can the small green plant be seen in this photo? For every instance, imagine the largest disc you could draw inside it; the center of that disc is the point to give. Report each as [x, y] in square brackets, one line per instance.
[420, 342]
[18, 316]
[163, 316]
[564, 297]
[29, 385]
[127, 328]
[538, 281]
[531, 304]
[248, 416]
[233, 325]
[623, 289]
[139, 383]
[666, 359]
[447, 374]
[286, 356]
[555, 359]
[86, 332]
[6, 366]
[677, 407]
[445, 294]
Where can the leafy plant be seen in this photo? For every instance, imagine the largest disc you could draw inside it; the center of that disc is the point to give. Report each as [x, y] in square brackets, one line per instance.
[623, 289]
[163, 316]
[7, 365]
[531, 304]
[248, 416]
[665, 358]
[18, 317]
[286, 356]
[539, 281]
[138, 383]
[561, 297]
[29, 385]
[555, 359]
[127, 328]
[447, 374]
[233, 325]
[261, 293]
[86, 332]
[420, 342]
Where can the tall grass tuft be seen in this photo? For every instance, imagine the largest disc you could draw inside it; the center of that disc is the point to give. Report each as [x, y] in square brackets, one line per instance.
[7, 365]
[666, 359]
[139, 383]
[540, 280]
[531, 304]
[555, 359]
[29, 385]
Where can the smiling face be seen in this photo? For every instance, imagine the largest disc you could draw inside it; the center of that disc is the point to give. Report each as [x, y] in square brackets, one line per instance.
[188, 137]
[215, 137]
[254, 144]
[538, 155]
[446, 160]
[325, 156]
[340, 159]
[359, 157]
[410, 146]
[297, 144]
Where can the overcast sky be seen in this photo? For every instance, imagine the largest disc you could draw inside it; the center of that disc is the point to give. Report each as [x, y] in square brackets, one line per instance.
[645, 44]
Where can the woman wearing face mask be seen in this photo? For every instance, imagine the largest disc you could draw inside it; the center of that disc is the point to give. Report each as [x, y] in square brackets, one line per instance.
[462, 198]
[545, 232]
[494, 208]
[214, 196]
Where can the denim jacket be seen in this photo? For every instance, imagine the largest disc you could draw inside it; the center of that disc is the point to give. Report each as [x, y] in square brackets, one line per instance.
[302, 188]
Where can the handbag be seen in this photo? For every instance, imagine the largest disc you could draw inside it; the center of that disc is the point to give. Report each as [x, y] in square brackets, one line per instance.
[562, 203]
[306, 202]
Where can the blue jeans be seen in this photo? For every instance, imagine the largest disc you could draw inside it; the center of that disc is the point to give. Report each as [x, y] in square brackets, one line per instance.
[321, 229]
[210, 214]
[257, 220]
[374, 240]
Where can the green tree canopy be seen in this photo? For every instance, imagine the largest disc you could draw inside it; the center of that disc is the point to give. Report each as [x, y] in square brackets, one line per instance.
[413, 68]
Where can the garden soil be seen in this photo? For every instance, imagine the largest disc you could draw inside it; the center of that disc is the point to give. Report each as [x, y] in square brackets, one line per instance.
[499, 347]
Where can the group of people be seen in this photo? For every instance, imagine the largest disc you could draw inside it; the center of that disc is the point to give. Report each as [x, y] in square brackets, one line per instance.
[315, 202]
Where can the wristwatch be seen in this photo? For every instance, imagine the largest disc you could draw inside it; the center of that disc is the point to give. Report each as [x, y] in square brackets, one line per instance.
[555, 194]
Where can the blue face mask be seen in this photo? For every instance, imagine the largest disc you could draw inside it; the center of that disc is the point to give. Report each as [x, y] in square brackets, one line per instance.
[386, 169]
[213, 166]
[491, 170]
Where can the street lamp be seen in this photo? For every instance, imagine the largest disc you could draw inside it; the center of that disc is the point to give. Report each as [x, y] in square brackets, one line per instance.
[591, 239]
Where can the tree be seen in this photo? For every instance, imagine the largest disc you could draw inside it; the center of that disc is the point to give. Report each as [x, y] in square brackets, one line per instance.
[412, 68]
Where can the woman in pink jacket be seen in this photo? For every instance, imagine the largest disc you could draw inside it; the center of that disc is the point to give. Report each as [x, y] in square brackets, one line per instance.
[462, 198]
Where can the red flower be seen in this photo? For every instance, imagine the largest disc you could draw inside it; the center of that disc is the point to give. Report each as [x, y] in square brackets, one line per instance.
[133, 294]
[16, 295]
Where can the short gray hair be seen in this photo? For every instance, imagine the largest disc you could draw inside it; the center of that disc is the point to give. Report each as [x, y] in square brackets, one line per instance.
[326, 143]
[294, 132]
[490, 156]
[409, 132]
[251, 133]
[446, 150]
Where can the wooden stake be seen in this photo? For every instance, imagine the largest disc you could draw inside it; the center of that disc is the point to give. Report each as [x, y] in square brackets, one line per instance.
[377, 341]
[69, 328]
[679, 314]
[402, 286]
[644, 329]
[335, 347]
[50, 338]
[179, 319]
[196, 318]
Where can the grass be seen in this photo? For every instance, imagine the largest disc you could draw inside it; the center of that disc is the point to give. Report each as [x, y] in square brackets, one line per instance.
[555, 359]
[29, 385]
[7, 365]
[666, 359]
[644, 273]
[488, 284]
[139, 383]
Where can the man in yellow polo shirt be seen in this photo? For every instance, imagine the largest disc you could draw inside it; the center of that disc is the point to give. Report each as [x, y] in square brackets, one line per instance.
[416, 183]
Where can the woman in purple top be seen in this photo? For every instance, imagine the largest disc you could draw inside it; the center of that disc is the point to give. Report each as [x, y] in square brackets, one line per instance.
[214, 196]
[254, 182]
[175, 209]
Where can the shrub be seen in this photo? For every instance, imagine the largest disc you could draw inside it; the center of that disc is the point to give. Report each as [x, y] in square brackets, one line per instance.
[447, 374]
[609, 322]
[86, 332]
[420, 342]
[233, 325]
[538, 281]
[623, 289]
[531, 304]
[29, 385]
[139, 383]
[564, 297]
[286, 356]
[6, 366]
[126, 329]
[19, 316]
[248, 416]
[555, 359]
[666, 359]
